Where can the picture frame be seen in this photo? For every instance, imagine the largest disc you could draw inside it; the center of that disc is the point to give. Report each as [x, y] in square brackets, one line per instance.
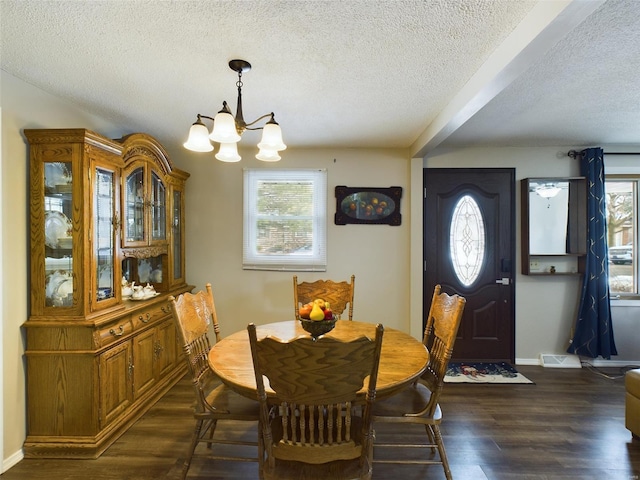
[368, 205]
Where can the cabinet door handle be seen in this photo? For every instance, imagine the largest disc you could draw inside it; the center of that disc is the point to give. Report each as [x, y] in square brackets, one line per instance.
[164, 309]
[146, 318]
[119, 332]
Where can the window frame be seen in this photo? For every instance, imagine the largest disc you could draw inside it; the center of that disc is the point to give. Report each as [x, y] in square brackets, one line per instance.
[635, 265]
[316, 259]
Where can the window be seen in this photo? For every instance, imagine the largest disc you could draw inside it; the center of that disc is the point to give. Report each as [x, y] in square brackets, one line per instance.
[467, 240]
[622, 226]
[285, 217]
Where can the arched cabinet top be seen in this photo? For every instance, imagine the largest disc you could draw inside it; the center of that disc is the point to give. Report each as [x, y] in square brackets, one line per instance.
[142, 144]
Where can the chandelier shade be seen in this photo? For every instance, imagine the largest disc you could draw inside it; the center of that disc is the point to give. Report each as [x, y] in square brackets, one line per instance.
[272, 137]
[227, 130]
[267, 155]
[198, 140]
[228, 152]
[224, 128]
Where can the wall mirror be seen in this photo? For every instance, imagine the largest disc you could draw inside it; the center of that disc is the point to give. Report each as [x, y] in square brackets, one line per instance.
[553, 225]
[549, 215]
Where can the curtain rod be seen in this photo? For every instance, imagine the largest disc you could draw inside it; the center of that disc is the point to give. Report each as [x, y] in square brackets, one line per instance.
[575, 153]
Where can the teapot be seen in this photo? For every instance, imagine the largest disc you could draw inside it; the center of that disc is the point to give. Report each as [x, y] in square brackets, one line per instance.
[127, 290]
[138, 292]
[149, 290]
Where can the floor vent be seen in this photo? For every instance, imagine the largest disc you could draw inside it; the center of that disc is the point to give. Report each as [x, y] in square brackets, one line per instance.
[560, 361]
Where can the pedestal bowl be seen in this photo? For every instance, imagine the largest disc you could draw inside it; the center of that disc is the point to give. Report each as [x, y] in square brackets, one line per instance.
[317, 328]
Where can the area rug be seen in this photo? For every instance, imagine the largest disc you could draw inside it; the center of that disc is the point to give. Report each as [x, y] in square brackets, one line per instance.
[463, 372]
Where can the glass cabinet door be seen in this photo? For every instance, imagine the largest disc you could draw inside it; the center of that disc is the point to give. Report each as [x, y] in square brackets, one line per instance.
[158, 208]
[176, 225]
[145, 208]
[58, 234]
[134, 195]
[104, 242]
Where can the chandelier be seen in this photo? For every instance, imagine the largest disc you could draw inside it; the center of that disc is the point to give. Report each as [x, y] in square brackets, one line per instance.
[228, 130]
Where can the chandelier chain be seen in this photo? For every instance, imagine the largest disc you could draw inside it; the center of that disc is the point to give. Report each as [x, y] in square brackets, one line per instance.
[239, 83]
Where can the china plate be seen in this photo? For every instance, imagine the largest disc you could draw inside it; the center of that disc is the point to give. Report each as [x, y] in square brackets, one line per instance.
[56, 226]
[146, 297]
[59, 283]
[55, 173]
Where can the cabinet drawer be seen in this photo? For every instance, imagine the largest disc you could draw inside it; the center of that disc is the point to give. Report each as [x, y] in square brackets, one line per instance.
[114, 331]
[149, 315]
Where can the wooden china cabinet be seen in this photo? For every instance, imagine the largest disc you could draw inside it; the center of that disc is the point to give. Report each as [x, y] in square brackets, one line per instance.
[102, 212]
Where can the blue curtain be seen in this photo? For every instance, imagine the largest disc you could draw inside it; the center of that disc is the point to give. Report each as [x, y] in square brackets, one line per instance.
[593, 335]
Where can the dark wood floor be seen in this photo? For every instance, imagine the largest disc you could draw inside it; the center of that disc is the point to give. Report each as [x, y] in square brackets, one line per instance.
[569, 425]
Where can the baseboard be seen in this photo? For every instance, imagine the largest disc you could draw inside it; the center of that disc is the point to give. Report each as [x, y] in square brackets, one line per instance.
[527, 361]
[550, 360]
[591, 361]
[12, 460]
[612, 363]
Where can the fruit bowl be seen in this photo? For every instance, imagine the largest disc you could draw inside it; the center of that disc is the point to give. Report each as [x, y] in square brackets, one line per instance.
[318, 327]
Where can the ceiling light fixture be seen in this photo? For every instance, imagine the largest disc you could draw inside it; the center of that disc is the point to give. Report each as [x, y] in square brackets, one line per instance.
[548, 190]
[228, 130]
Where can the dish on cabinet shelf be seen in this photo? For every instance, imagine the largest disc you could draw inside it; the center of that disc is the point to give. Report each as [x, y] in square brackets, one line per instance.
[59, 288]
[56, 174]
[56, 228]
[146, 297]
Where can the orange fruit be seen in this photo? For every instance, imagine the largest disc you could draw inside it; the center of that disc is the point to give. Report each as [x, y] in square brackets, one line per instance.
[305, 310]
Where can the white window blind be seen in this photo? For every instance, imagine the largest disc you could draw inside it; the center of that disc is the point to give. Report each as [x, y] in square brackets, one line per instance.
[285, 217]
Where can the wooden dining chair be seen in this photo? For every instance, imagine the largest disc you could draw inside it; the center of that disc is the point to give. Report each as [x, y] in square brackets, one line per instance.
[316, 430]
[338, 294]
[418, 403]
[193, 315]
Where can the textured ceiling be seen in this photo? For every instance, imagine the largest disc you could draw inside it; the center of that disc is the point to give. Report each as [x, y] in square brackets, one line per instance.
[371, 73]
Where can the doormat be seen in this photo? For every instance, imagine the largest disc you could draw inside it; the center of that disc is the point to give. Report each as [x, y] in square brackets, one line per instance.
[470, 372]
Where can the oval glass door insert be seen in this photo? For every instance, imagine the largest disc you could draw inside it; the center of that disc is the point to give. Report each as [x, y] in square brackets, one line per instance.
[467, 240]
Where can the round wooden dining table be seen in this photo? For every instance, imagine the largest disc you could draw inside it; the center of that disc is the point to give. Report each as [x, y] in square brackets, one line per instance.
[402, 359]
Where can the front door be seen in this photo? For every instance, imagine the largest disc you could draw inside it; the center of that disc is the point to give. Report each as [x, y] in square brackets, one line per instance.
[469, 248]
